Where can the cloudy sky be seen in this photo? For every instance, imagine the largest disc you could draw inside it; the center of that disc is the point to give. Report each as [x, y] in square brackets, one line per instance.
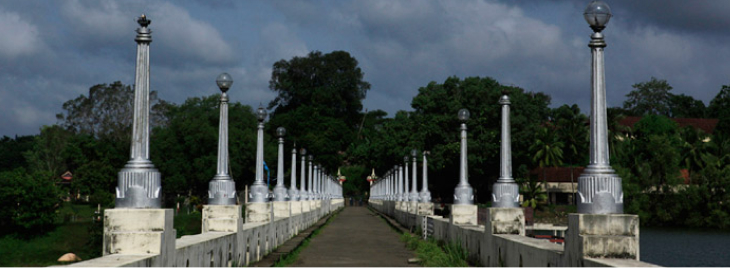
[53, 51]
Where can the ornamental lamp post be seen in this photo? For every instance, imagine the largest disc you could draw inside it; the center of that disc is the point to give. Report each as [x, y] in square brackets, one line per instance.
[293, 192]
[139, 182]
[259, 191]
[222, 189]
[310, 191]
[599, 187]
[425, 196]
[463, 194]
[280, 190]
[505, 193]
[406, 192]
[413, 197]
[303, 180]
[315, 176]
[400, 195]
[315, 182]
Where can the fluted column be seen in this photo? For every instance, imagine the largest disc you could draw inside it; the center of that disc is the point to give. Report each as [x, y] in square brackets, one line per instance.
[139, 182]
[425, 195]
[463, 194]
[310, 191]
[293, 192]
[303, 180]
[505, 192]
[259, 191]
[222, 189]
[315, 178]
[599, 187]
[413, 197]
[280, 193]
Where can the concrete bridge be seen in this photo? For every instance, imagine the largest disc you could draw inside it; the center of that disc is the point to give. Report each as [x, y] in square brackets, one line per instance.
[138, 232]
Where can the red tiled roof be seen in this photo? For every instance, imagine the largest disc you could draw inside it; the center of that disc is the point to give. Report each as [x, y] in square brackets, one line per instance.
[557, 174]
[706, 125]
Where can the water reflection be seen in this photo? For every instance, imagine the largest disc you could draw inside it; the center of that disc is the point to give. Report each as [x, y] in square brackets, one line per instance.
[685, 247]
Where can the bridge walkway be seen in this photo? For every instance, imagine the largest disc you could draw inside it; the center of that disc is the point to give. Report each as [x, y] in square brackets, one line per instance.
[356, 237]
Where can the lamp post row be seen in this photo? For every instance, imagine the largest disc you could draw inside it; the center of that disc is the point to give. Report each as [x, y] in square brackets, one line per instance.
[599, 187]
[139, 184]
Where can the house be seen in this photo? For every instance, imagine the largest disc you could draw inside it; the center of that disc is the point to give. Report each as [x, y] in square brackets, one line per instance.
[562, 182]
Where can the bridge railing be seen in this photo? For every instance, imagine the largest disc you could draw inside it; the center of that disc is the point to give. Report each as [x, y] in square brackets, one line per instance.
[591, 240]
[241, 244]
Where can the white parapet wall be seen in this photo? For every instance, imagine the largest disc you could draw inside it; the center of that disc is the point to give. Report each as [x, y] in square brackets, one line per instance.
[146, 238]
[591, 240]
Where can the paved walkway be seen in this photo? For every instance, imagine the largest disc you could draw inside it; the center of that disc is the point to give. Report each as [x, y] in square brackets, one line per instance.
[356, 237]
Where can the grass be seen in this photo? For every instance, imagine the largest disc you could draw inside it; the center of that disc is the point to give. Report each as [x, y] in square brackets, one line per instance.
[432, 253]
[292, 256]
[44, 250]
[188, 224]
[436, 254]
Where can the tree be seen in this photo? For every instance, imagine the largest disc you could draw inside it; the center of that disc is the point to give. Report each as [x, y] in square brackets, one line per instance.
[693, 147]
[29, 202]
[683, 106]
[11, 152]
[650, 97]
[532, 191]
[108, 112]
[547, 151]
[650, 173]
[434, 126]
[319, 103]
[185, 151]
[331, 83]
[47, 155]
[95, 164]
[572, 128]
[720, 108]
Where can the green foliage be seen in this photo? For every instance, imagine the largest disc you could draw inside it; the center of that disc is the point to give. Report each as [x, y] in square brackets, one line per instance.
[29, 202]
[434, 126]
[47, 157]
[571, 127]
[44, 250]
[356, 181]
[683, 106]
[547, 148]
[531, 190]
[720, 108]
[649, 167]
[436, 254]
[319, 102]
[651, 97]
[188, 224]
[185, 151]
[107, 112]
[11, 152]
[332, 84]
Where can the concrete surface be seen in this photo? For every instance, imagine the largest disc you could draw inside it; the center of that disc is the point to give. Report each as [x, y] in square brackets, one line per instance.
[258, 212]
[356, 237]
[464, 214]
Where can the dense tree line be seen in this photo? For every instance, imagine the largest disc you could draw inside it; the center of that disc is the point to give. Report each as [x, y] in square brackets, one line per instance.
[319, 101]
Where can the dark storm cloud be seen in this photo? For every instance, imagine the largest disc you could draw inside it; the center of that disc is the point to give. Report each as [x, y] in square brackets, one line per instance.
[60, 49]
[693, 17]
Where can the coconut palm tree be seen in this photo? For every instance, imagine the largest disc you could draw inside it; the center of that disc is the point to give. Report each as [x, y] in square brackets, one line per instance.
[547, 151]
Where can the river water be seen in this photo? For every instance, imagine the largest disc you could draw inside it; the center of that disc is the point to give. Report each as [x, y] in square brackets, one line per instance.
[684, 247]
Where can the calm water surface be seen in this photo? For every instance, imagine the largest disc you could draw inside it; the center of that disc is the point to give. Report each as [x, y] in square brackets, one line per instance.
[684, 247]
